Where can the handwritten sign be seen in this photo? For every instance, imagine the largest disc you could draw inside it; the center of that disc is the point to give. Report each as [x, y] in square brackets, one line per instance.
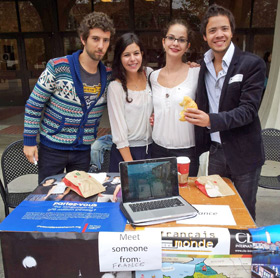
[130, 251]
[211, 215]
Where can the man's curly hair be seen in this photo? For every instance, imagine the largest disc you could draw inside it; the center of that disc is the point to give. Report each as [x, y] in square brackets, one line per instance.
[95, 20]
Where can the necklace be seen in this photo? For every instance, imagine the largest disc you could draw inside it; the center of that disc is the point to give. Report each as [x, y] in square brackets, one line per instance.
[136, 84]
[172, 79]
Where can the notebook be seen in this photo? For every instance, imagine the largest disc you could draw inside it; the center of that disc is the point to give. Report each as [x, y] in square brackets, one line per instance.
[147, 185]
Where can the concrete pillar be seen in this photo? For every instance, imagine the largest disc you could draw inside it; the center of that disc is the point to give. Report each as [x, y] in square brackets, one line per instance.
[270, 108]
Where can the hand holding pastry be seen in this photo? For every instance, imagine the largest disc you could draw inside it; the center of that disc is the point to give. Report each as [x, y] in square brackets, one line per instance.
[187, 103]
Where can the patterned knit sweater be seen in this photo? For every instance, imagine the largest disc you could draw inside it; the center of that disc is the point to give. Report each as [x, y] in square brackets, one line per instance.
[67, 123]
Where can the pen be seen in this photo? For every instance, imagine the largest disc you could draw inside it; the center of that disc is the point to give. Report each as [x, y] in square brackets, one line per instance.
[35, 161]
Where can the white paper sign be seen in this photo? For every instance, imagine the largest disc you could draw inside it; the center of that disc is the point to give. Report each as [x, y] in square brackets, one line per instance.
[211, 215]
[130, 251]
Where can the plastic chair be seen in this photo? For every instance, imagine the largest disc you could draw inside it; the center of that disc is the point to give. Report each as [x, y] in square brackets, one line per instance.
[14, 164]
[271, 140]
[3, 195]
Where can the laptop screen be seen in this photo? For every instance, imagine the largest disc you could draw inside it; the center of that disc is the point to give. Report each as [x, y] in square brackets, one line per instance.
[149, 179]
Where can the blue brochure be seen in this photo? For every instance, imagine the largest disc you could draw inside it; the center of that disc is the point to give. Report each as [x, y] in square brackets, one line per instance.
[266, 251]
[65, 216]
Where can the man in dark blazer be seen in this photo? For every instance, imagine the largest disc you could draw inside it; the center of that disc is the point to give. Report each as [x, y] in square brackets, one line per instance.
[229, 94]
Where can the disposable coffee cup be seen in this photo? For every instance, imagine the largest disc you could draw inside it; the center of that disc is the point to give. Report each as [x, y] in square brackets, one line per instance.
[183, 164]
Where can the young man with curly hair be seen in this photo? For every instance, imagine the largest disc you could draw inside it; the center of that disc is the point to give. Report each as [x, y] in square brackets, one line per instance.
[67, 102]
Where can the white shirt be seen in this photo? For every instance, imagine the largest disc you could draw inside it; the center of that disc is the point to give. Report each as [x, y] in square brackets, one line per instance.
[168, 131]
[214, 83]
[129, 122]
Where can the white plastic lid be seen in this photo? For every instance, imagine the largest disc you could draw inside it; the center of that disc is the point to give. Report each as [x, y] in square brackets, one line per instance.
[183, 160]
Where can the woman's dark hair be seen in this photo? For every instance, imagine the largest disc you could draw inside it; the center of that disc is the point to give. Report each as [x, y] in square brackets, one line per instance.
[181, 22]
[266, 55]
[118, 71]
[215, 10]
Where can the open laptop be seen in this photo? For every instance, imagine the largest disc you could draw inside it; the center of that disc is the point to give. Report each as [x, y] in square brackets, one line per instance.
[147, 185]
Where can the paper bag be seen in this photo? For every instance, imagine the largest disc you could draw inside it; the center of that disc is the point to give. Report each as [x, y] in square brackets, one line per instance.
[213, 186]
[83, 184]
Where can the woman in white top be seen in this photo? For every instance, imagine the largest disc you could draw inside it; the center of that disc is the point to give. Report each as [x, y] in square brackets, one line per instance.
[129, 103]
[170, 84]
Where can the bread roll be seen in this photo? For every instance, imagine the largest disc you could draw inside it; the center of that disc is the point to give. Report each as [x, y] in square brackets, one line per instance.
[187, 103]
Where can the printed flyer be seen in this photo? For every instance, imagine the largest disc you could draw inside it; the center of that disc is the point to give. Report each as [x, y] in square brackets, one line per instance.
[266, 251]
[65, 216]
[53, 188]
[203, 252]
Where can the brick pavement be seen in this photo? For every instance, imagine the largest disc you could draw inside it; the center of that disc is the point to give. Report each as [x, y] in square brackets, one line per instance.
[7, 112]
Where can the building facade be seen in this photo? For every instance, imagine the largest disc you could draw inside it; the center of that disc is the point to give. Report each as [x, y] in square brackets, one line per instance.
[32, 32]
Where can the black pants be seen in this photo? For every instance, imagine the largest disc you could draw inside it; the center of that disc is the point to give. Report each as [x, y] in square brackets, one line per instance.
[246, 184]
[158, 151]
[53, 162]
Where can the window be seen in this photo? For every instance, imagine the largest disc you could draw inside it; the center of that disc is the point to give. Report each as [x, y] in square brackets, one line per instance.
[153, 48]
[192, 11]
[264, 13]
[118, 11]
[151, 15]
[263, 44]
[29, 18]
[9, 55]
[8, 17]
[77, 13]
[241, 10]
[35, 54]
[10, 85]
[71, 44]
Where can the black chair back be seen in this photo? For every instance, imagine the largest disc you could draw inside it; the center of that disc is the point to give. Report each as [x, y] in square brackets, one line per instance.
[14, 164]
[271, 141]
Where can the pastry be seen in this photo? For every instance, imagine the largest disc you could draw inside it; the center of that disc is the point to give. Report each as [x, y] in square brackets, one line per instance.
[187, 103]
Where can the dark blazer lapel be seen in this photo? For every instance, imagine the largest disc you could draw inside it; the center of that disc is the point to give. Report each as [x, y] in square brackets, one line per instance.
[202, 86]
[231, 69]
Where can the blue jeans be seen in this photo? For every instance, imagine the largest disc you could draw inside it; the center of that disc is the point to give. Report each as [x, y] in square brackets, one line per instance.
[245, 184]
[53, 162]
[159, 151]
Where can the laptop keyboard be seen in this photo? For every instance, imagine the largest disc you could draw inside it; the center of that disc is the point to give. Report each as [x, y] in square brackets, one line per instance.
[169, 203]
